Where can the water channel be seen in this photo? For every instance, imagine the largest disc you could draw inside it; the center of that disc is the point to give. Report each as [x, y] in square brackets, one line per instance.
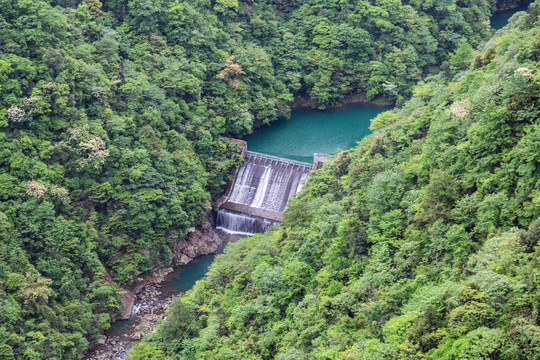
[180, 280]
[306, 132]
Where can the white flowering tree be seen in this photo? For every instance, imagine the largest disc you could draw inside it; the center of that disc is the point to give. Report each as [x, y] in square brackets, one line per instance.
[90, 150]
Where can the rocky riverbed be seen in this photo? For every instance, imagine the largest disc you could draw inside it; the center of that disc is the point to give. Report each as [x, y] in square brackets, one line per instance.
[150, 306]
[146, 303]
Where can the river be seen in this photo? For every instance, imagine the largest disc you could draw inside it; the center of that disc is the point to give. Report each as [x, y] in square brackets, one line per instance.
[180, 280]
[150, 306]
[307, 131]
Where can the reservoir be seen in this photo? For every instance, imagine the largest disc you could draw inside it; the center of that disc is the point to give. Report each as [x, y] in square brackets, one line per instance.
[308, 131]
[279, 161]
[499, 19]
[311, 131]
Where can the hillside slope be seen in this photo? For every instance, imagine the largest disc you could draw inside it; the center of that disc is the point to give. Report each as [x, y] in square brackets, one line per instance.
[112, 123]
[420, 243]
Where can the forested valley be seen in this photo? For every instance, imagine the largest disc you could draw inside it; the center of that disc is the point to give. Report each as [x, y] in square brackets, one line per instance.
[419, 243]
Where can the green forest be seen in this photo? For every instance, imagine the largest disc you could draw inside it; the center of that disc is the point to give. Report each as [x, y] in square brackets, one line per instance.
[419, 243]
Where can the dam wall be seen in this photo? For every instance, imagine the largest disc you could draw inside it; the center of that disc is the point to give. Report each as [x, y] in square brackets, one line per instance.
[258, 194]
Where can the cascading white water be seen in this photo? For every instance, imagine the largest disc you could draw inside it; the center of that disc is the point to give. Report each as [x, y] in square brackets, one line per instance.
[262, 187]
[135, 310]
[233, 222]
[267, 184]
[263, 183]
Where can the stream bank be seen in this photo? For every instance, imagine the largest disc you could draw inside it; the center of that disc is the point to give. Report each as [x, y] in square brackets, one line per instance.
[151, 303]
[147, 301]
[150, 306]
[305, 102]
[202, 241]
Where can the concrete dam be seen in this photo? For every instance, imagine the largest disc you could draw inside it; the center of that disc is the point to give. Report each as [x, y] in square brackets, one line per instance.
[258, 195]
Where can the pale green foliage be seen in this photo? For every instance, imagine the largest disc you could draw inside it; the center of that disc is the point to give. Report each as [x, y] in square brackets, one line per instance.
[224, 6]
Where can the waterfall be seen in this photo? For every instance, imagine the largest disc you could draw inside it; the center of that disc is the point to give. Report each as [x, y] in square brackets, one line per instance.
[135, 310]
[263, 183]
[233, 222]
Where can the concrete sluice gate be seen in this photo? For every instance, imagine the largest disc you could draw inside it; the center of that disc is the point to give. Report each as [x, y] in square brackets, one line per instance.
[260, 193]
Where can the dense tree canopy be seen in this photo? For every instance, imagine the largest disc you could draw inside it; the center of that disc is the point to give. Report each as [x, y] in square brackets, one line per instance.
[421, 243]
[112, 123]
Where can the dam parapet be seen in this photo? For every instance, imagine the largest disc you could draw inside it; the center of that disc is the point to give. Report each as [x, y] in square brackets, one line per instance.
[318, 161]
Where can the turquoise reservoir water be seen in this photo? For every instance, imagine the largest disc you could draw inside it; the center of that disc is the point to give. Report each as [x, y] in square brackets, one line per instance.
[500, 18]
[311, 131]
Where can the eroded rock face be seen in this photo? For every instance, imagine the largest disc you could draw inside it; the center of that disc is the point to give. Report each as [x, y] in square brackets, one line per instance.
[202, 241]
[510, 4]
[128, 299]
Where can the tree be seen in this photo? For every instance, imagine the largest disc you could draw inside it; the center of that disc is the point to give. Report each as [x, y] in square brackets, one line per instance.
[175, 14]
[473, 311]
[89, 150]
[488, 56]
[146, 15]
[55, 60]
[6, 352]
[180, 317]
[230, 71]
[36, 290]
[94, 8]
[438, 198]
[226, 6]
[143, 351]
[462, 57]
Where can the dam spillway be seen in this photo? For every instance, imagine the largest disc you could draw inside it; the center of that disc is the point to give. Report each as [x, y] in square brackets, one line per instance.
[268, 182]
[260, 192]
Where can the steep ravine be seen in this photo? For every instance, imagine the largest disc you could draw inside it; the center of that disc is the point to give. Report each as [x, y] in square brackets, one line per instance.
[146, 302]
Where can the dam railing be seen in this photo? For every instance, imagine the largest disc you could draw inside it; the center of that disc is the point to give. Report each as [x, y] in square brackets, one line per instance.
[282, 160]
